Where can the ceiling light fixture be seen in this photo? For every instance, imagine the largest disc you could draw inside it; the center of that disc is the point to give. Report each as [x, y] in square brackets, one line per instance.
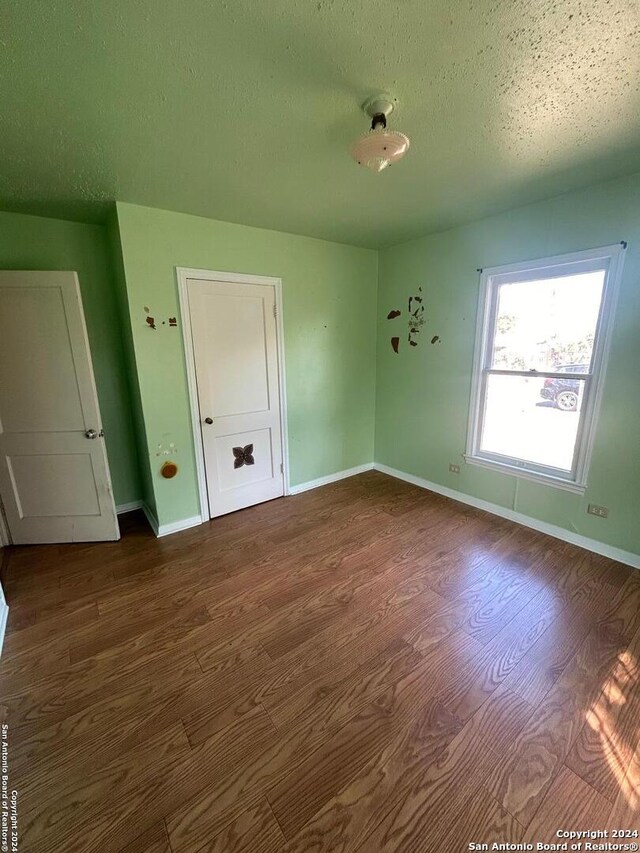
[380, 147]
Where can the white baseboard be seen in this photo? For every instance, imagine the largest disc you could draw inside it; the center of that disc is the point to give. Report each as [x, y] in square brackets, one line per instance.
[173, 527]
[605, 550]
[186, 523]
[128, 507]
[627, 557]
[4, 612]
[330, 478]
[177, 526]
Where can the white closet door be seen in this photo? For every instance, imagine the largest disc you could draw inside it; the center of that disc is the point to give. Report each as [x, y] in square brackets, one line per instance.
[236, 358]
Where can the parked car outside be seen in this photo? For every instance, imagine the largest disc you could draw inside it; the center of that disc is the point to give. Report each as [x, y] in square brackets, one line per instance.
[564, 393]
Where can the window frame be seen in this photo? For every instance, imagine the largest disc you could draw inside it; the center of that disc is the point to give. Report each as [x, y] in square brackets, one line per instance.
[611, 259]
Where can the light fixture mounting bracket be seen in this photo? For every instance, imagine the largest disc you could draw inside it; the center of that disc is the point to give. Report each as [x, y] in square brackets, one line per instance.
[379, 105]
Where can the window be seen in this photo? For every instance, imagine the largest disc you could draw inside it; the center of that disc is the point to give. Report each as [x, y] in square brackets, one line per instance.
[542, 342]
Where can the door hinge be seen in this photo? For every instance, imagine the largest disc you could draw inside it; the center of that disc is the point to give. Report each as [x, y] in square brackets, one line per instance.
[275, 310]
[282, 467]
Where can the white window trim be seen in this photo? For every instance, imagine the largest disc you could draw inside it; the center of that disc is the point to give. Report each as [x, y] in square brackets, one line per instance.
[576, 481]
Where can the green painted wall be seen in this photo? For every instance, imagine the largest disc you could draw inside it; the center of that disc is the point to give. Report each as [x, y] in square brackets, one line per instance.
[420, 406]
[329, 294]
[423, 393]
[36, 243]
[129, 358]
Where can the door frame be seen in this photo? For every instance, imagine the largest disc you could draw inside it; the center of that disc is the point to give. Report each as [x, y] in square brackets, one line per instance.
[5, 535]
[183, 274]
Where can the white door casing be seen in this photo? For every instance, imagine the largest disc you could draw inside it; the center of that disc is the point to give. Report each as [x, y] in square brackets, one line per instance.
[54, 478]
[235, 349]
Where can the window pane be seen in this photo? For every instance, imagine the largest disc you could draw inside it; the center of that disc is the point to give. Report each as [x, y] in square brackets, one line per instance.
[547, 324]
[532, 419]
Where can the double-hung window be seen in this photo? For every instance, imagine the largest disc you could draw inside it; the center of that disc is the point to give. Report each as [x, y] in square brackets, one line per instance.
[541, 347]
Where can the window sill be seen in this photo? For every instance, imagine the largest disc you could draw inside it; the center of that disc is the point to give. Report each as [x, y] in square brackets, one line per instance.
[523, 473]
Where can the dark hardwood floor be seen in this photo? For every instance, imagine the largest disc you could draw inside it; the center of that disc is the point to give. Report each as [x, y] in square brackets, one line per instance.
[365, 667]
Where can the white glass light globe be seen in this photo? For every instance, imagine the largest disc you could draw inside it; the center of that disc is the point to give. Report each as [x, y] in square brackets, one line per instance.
[378, 148]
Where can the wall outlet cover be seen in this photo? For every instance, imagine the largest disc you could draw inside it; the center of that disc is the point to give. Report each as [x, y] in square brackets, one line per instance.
[600, 511]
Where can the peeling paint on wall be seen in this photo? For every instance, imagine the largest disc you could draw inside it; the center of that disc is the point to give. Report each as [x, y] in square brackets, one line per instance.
[166, 448]
[416, 317]
[151, 321]
[416, 321]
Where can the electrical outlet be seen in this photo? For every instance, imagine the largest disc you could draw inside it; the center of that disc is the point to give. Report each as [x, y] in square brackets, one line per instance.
[600, 511]
[455, 469]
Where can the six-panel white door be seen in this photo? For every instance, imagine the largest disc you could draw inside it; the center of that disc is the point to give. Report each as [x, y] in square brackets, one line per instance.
[54, 476]
[235, 348]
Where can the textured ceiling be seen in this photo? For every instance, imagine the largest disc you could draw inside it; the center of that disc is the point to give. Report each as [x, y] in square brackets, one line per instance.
[243, 110]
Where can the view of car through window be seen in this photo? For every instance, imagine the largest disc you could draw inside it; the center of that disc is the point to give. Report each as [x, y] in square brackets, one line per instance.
[564, 393]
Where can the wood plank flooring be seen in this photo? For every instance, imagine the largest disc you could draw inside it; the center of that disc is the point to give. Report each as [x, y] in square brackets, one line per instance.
[365, 667]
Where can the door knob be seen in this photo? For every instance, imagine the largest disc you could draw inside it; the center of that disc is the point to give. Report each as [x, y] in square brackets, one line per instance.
[91, 433]
[208, 420]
